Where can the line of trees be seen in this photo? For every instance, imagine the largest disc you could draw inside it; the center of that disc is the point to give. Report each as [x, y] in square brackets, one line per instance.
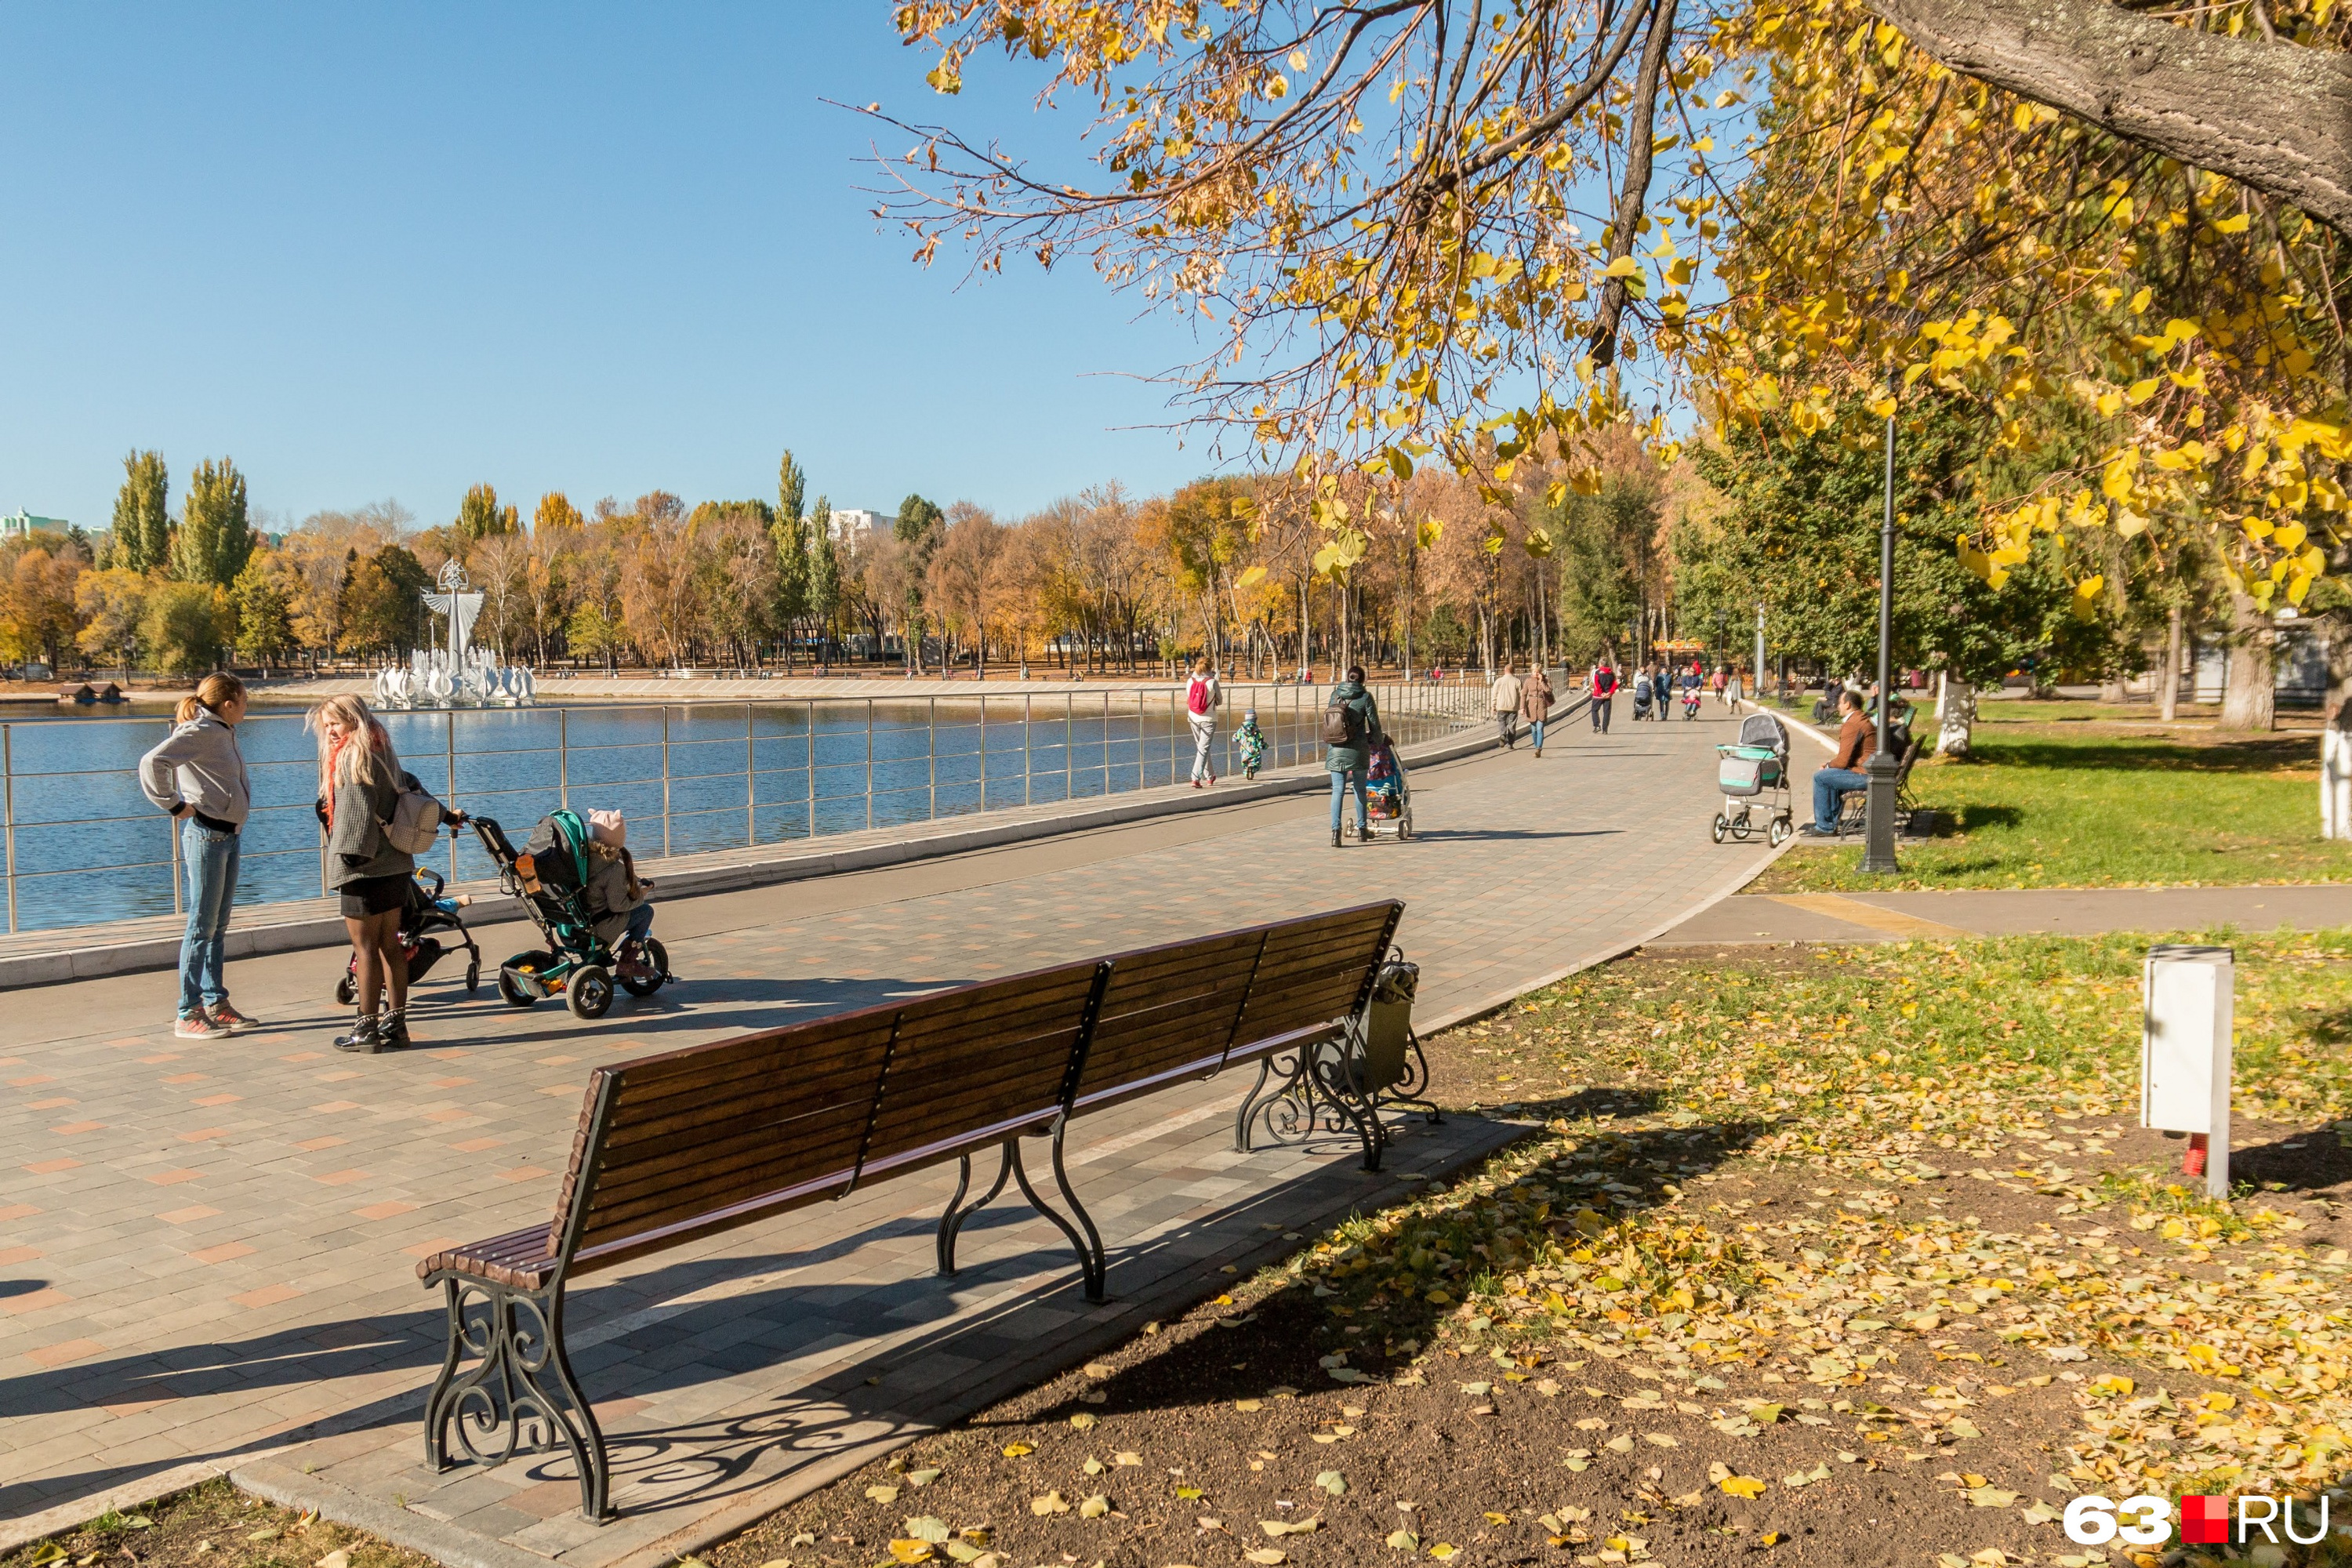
[1102, 581]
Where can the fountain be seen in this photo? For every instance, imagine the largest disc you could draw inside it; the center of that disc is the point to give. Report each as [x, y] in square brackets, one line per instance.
[458, 676]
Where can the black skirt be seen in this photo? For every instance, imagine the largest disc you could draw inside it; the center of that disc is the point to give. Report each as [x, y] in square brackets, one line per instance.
[373, 896]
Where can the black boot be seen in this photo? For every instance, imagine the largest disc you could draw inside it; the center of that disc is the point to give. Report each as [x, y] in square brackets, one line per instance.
[392, 1029]
[1334, 838]
[363, 1037]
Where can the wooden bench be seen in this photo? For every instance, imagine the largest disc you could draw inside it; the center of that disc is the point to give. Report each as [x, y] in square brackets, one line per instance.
[676, 1147]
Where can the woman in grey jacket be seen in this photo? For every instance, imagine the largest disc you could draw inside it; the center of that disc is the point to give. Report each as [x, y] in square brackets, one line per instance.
[198, 775]
[359, 780]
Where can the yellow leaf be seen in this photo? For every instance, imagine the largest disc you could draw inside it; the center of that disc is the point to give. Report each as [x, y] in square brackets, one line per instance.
[1051, 1503]
[2139, 392]
[2139, 302]
[1267, 1555]
[1623, 267]
[1747, 1487]
[1015, 1450]
[2232, 225]
[2111, 404]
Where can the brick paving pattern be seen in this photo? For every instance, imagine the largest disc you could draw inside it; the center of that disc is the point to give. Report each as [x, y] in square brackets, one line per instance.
[206, 1249]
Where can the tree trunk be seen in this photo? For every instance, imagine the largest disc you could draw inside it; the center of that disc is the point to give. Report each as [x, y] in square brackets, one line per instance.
[2167, 690]
[2274, 115]
[2250, 692]
[1956, 716]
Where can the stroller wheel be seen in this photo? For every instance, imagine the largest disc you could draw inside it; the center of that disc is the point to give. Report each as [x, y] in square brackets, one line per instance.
[657, 959]
[520, 990]
[1722, 826]
[473, 976]
[1404, 826]
[1780, 831]
[346, 989]
[590, 991]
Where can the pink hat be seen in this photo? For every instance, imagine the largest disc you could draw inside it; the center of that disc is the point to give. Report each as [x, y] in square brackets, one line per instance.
[607, 827]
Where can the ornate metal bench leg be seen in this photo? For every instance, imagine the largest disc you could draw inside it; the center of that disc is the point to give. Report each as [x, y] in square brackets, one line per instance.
[1088, 1246]
[503, 1405]
[1248, 1112]
[1336, 1078]
[951, 1223]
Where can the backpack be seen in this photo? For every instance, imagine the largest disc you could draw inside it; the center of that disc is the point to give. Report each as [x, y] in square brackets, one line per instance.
[1196, 695]
[1338, 723]
[415, 820]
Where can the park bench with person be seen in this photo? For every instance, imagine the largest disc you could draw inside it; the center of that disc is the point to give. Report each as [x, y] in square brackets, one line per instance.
[673, 1148]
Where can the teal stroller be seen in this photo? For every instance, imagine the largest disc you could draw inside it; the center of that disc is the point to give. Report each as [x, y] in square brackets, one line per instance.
[1753, 772]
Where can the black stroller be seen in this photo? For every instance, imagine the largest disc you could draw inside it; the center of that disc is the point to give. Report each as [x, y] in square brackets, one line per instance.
[548, 876]
[421, 923]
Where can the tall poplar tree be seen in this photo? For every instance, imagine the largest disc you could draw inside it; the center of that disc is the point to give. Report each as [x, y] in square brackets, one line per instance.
[215, 535]
[143, 522]
[791, 534]
[480, 516]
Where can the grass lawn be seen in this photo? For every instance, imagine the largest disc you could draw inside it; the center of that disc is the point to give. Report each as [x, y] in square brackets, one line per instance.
[1848, 1257]
[2059, 794]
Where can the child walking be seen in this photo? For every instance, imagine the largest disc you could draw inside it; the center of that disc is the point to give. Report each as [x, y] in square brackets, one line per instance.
[1253, 744]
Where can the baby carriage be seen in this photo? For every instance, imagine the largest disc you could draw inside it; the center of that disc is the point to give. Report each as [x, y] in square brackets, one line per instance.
[548, 876]
[423, 914]
[1642, 696]
[1388, 796]
[1755, 768]
[1690, 702]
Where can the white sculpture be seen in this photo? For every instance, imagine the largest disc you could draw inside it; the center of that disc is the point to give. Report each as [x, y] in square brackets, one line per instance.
[458, 676]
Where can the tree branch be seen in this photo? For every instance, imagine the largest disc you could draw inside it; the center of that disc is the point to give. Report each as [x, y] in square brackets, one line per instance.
[2276, 117]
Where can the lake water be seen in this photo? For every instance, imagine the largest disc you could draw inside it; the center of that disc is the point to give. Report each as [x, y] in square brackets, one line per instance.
[86, 847]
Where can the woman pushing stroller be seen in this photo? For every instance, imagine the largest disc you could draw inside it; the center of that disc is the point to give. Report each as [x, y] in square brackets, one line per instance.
[360, 784]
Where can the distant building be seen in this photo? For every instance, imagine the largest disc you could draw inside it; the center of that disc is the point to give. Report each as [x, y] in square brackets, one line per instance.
[18, 523]
[848, 521]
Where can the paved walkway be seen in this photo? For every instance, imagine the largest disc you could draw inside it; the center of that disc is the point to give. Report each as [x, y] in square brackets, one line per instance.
[206, 1251]
[2062, 911]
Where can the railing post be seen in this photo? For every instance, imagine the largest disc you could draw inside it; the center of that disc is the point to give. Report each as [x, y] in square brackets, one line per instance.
[808, 721]
[664, 713]
[750, 786]
[869, 763]
[1027, 723]
[563, 757]
[1105, 740]
[932, 751]
[8, 812]
[173, 824]
[449, 753]
[1069, 748]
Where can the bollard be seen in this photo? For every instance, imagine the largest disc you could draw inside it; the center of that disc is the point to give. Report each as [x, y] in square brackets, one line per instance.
[2188, 1015]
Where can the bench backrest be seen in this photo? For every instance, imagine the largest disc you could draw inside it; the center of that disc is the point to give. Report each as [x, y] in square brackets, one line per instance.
[702, 1139]
[1186, 1009]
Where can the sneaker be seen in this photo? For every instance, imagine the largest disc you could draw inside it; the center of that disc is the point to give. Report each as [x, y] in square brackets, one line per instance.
[196, 1026]
[363, 1037]
[226, 1017]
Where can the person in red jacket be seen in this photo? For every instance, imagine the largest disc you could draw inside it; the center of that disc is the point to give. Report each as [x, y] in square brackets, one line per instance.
[1605, 693]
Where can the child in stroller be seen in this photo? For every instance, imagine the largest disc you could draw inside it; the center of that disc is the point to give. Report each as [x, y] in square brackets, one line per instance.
[1252, 741]
[589, 907]
[424, 912]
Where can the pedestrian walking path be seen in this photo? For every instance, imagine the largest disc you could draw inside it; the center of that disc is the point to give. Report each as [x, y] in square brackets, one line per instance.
[207, 1248]
[2060, 911]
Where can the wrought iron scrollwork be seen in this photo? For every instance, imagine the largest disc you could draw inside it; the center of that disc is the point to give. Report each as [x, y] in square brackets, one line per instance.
[1310, 1092]
[518, 1396]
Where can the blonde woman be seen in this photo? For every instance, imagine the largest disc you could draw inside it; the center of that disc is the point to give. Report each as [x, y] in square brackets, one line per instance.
[198, 775]
[359, 780]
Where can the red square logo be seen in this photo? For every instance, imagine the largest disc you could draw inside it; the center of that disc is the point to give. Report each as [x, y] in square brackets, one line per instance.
[2204, 1521]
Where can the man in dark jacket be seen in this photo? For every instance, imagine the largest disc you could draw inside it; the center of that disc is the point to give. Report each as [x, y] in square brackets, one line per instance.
[1348, 760]
[1857, 738]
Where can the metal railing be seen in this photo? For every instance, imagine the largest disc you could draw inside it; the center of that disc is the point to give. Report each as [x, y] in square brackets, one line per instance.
[716, 776]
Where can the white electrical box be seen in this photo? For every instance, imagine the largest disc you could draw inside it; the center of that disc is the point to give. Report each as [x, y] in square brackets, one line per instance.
[2188, 1016]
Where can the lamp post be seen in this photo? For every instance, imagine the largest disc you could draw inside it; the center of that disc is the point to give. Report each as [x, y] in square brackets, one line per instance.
[1757, 682]
[1878, 797]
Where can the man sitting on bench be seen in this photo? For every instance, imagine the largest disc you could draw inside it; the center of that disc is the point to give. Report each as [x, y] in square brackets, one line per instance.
[1857, 738]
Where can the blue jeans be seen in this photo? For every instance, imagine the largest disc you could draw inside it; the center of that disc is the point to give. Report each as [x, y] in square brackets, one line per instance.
[1535, 730]
[641, 923]
[1339, 782]
[1830, 786]
[210, 860]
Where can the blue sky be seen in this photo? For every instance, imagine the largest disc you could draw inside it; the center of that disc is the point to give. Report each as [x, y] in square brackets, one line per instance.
[398, 250]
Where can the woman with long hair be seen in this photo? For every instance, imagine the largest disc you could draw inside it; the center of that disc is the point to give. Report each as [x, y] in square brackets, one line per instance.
[198, 775]
[359, 780]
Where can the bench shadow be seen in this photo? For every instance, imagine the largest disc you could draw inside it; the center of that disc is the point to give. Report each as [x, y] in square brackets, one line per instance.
[1507, 834]
[985, 1318]
[2295, 1162]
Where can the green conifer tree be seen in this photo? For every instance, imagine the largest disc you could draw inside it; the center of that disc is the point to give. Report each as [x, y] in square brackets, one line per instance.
[791, 534]
[215, 535]
[142, 520]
